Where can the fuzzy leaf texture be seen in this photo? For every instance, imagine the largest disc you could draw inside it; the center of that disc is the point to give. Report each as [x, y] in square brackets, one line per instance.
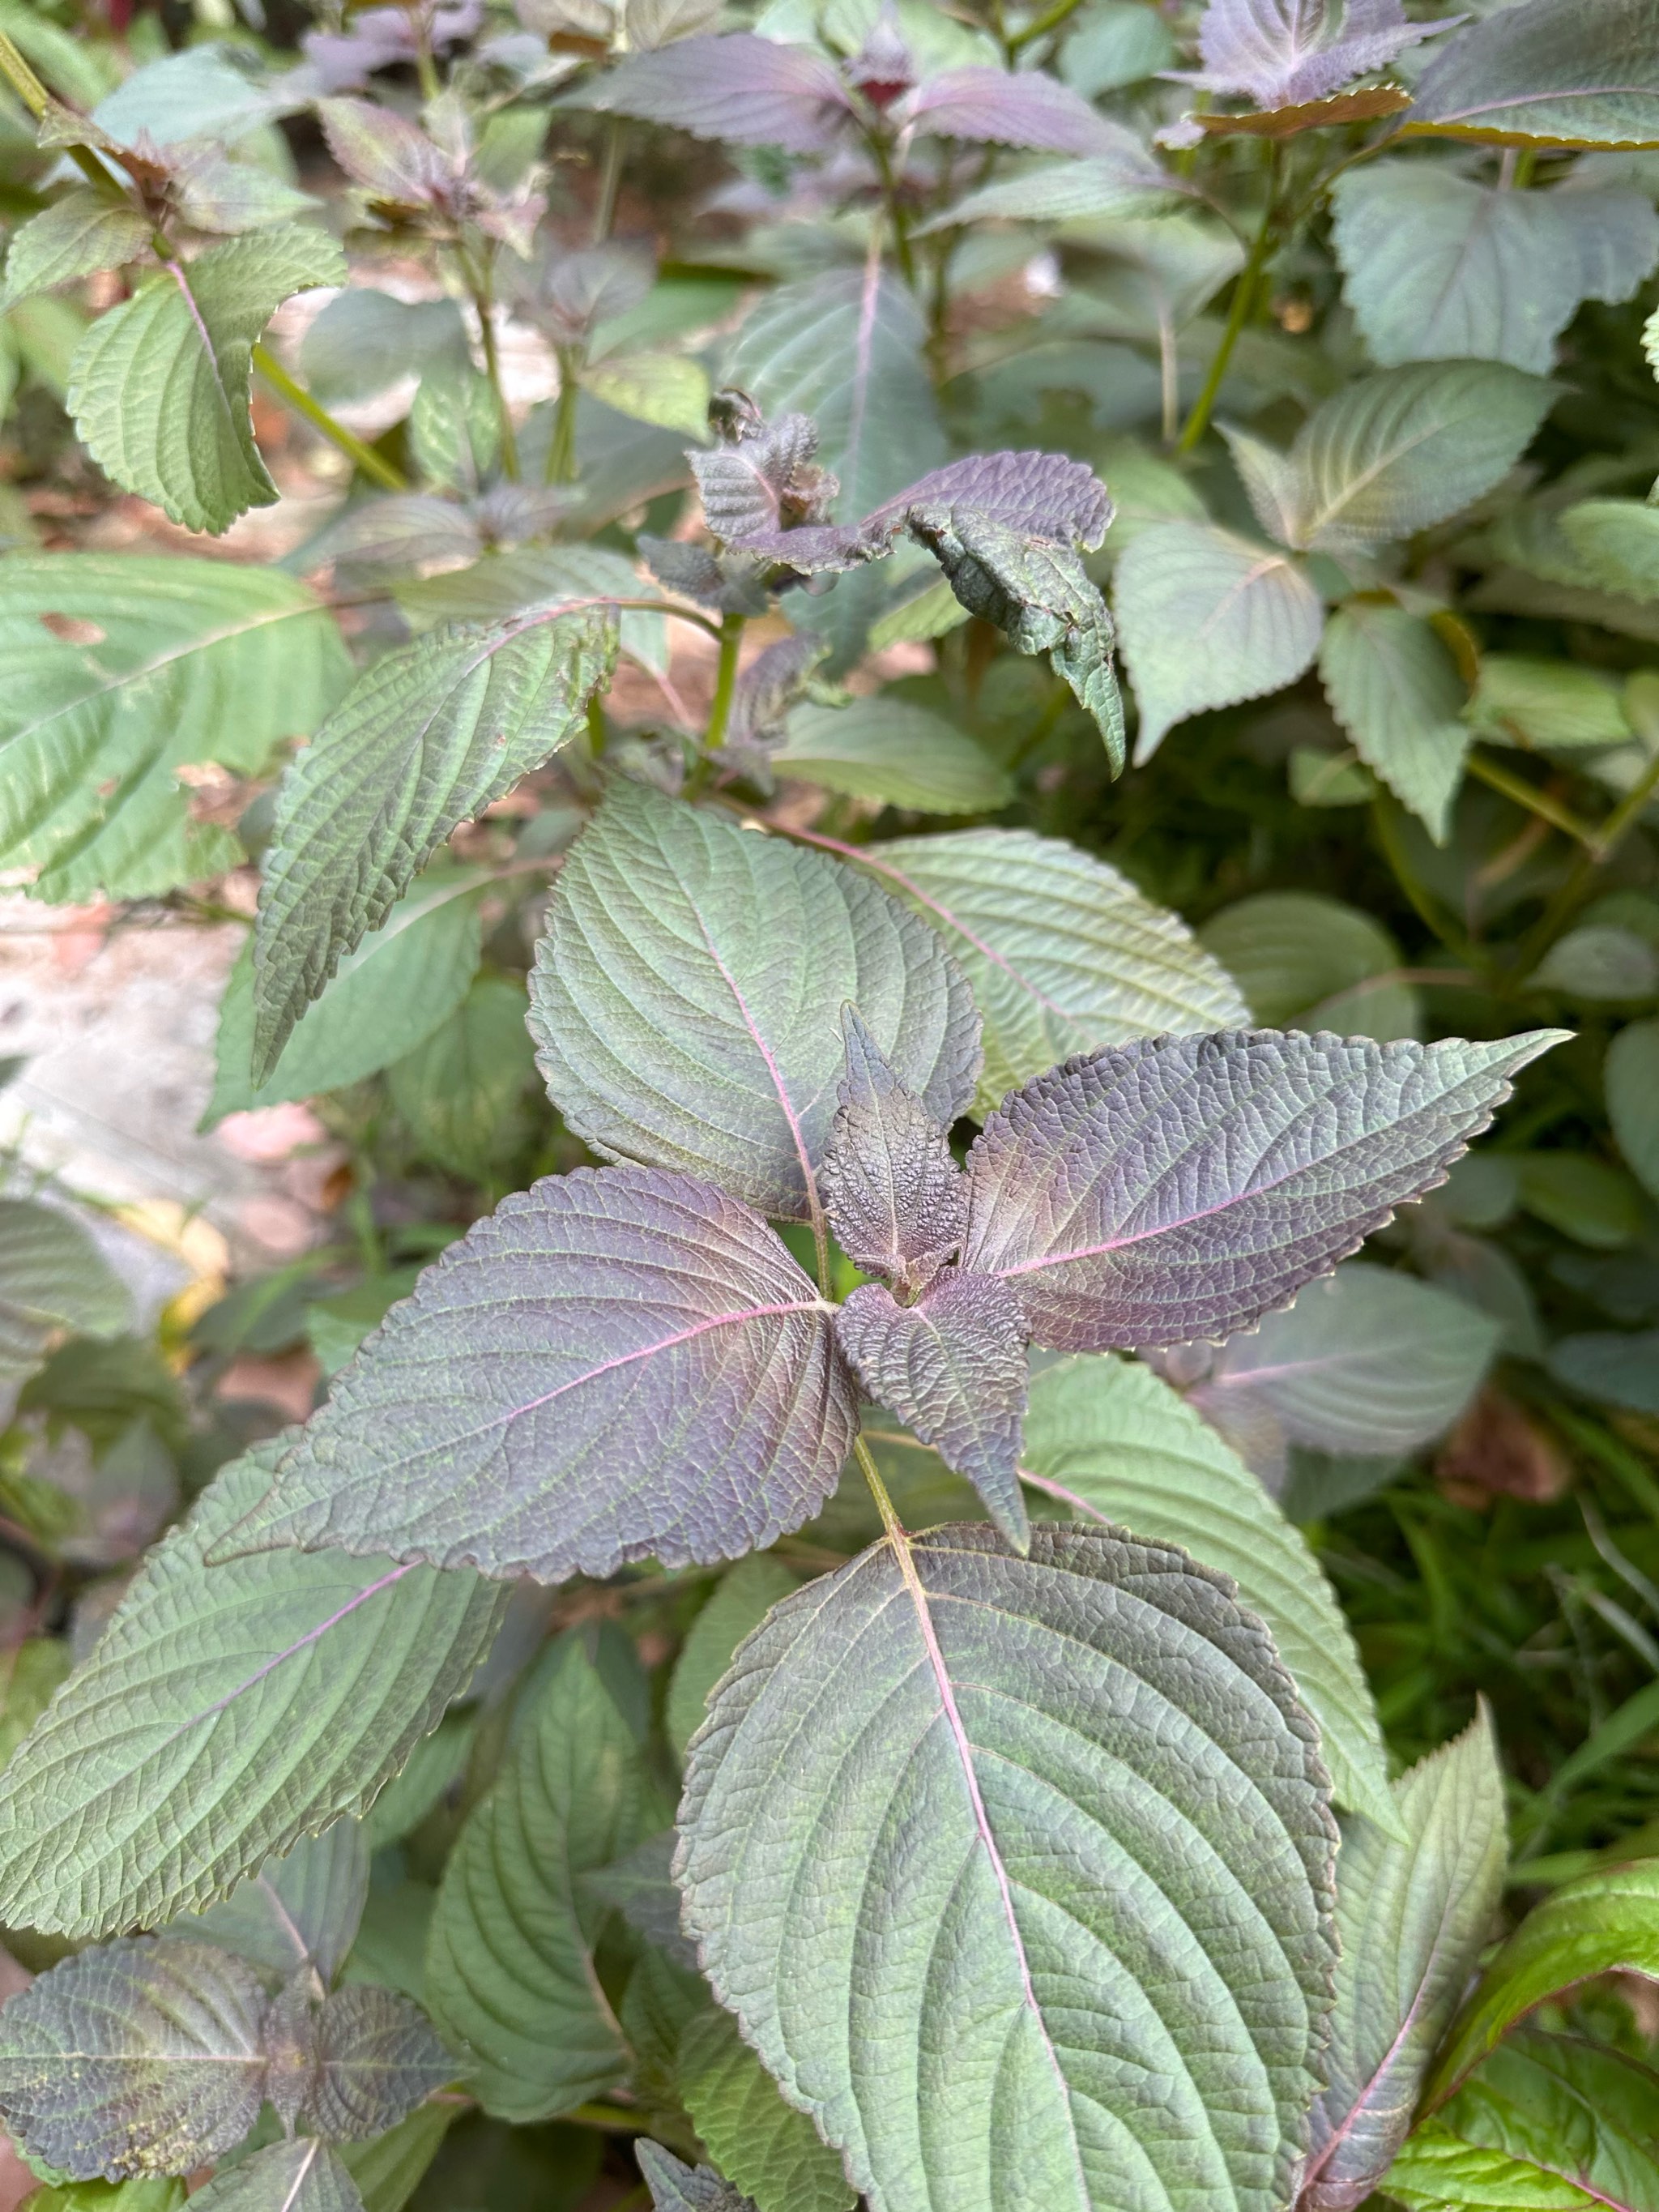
[80, 233]
[748, 91]
[423, 742]
[377, 2058]
[276, 1692]
[1107, 1441]
[159, 386]
[974, 2014]
[302, 2175]
[299, 1911]
[687, 994]
[764, 2145]
[1547, 74]
[952, 1367]
[1283, 53]
[1064, 954]
[193, 661]
[1413, 1913]
[134, 2057]
[895, 1199]
[509, 1971]
[1155, 1193]
[616, 1365]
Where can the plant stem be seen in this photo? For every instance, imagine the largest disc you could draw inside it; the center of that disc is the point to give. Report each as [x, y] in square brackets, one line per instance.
[477, 284]
[1534, 800]
[373, 465]
[725, 679]
[1050, 20]
[611, 169]
[562, 445]
[883, 154]
[884, 1505]
[1599, 847]
[1243, 297]
[36, 98]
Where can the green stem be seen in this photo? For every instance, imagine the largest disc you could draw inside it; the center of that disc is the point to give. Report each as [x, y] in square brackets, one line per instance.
[1050, 20]
[562, 445]
[884, 1505]
[882, 154]
[426, 69]
[1535, 802]
[477, 284]
[605, 209]
[373, 465]
[1599, 848]
[37, 98]
[725, 680]
[1243, 297]
[1384, 818]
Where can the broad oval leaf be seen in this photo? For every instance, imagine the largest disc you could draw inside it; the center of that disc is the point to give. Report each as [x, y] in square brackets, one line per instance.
[300, 1909]
[302, 2175]
[425, 740]
[991, 106]
[1391, 454]
[1600, 1924]
[888, 750]
[377, 2057]
[1396, 689]
[159, 386]
[1206, 619]
[134, 2057]
[509, 1964]
[1438, 267]
[82, 232]
[1109, 1441]
[1368, 1361]
[1063, 953]
[193, 661]
[741, 1602]
[1547, 74]
[224, 1712]
[771, 2151]
[1306, 962]
[1413, 1913]
[1182, 1187]
[615, 1364]
[52, 1278]
[1039, 1912]
[687, 997]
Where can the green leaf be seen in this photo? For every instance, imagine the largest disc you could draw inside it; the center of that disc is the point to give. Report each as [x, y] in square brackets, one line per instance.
[425, 740]
[1617, 542]
[1438, 267]
[1125, 183]
[457, 1093]
[1547, 703]
[387, 2171]
[1413, 1912]
[763, 2146]
[159, 386]
[134, 2057]
[1110, 1441]
[1392, 454]
[1207, 619]
[365, 341]
[1631, 1075]
[1559, 2111]
[505, 583]
[377, 2058]
[300, 1909]
[160, 2196]
[666, 388]
[1585, 1199]
[1600, 1924]
[1394, 687]
[188, 661]
[886, 749]
[1438, 2171]
[1547, 75]
[676, 2188]
[82, 232]
[510, 1973]
[741, 1601]
[1063, 953]
[1305, 962]
[52, 1278]
[403, 981]
[302, 2175]
[435, 1765]
[29, 1674]
[1041, 1901]
[225, 1712]
[686, 960]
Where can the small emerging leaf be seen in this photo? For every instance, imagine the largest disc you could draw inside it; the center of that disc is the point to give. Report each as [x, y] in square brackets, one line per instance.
[676, 2188]
[377, 2059]
[895, 1199]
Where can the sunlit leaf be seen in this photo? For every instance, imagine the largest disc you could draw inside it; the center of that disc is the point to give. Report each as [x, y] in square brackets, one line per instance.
[1396, 689]
[768, 2149]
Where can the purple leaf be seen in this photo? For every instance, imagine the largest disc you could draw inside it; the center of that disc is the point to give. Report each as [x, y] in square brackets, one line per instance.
[748, 91]
[763, 482]
[952, 1367]
[390, 158]
[819, 550]
[770, 685]
[616, 1365]
[895, 1199]
[1284, 52]
[1043, 493]
[988, 105]
[378, 2056]
[1182, 1187]
[732, 583]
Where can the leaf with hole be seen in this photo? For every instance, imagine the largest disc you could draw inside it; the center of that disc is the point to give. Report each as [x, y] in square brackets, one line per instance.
[954, 1999]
